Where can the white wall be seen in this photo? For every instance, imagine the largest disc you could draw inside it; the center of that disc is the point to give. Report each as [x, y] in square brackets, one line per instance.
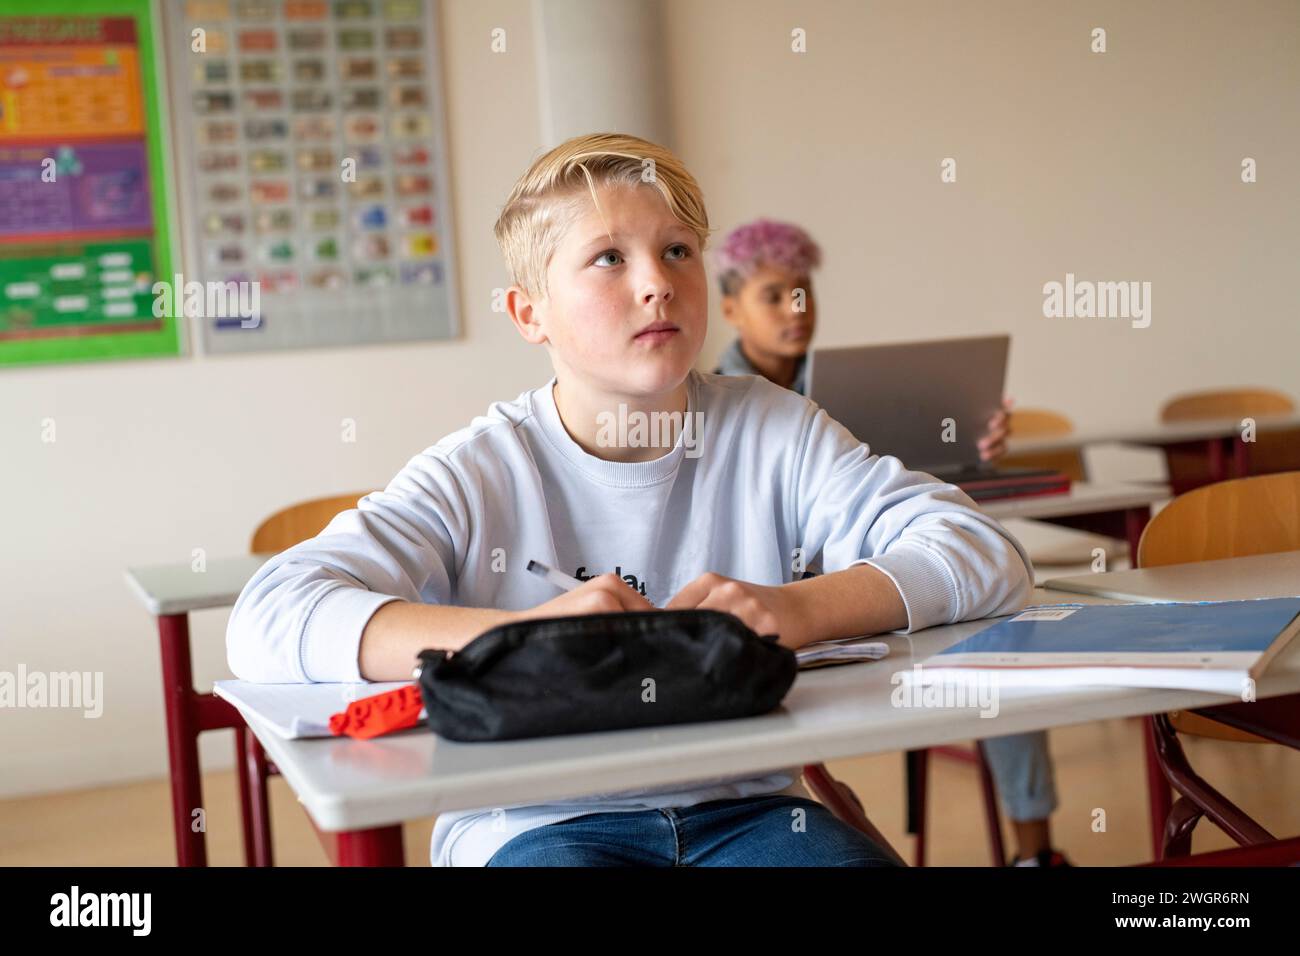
[1118, 166]
[1122, 165]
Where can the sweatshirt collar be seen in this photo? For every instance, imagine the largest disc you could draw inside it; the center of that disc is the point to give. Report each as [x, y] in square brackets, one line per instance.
[627, 474]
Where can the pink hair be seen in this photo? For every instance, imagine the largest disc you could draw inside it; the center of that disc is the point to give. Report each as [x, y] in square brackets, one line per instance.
[764, 242]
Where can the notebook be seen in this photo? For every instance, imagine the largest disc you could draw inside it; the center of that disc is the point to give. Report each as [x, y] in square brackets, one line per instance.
[295, 711]
[1214, 646]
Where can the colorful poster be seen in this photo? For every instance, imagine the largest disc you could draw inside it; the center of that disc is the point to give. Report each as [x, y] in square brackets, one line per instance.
[313, 170]
[84, 212]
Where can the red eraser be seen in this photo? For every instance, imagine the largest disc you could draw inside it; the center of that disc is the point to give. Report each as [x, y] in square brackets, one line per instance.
[380, 714]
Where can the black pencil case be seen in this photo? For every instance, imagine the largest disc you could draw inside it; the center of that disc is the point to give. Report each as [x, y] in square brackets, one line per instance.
[585, 673]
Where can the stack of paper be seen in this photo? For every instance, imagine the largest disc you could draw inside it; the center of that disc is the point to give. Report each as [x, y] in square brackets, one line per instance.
[297, 710]
[1217, 646]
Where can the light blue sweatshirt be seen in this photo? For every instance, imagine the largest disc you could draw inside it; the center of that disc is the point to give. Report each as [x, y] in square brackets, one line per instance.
[766, 473]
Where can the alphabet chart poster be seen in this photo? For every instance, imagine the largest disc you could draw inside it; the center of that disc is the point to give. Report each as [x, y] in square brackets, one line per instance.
[311, 158]
[84, 213]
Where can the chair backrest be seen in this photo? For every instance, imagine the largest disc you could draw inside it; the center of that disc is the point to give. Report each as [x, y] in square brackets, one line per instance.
[1041, 423]
[299, 522]
[1226, 403]
[1230, 519]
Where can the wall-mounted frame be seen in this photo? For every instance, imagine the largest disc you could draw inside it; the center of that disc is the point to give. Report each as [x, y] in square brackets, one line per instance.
[311, 160]
[86, 224]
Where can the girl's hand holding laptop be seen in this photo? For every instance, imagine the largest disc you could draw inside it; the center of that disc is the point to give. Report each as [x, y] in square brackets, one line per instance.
[993, 443]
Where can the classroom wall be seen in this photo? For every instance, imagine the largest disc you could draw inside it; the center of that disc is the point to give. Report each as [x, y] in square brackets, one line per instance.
[153, 459]
[1116, 166]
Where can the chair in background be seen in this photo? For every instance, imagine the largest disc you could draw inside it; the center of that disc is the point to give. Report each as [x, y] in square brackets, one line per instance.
[1272, 451]
[297, 523]
[1245, 516]
[1074, 539]
[1041, 423]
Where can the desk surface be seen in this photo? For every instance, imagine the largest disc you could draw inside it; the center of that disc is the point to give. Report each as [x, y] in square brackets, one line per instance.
[830, 713]
[1154, 433]
[1235, 579]
[178, 588]
[1084, 497]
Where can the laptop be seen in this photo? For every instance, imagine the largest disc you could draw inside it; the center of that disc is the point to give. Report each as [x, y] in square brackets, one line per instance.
[927, 404]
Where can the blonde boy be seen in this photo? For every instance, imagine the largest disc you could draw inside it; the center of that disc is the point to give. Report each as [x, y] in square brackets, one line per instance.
[603, 238]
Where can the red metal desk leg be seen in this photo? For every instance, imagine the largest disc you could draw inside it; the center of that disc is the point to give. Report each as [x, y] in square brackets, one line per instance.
[258, 809]
[188, 715]
[376, 846]
[1135, 522]
[1218, 460]
[250, 764]
[1126, 523]
[1240, 457]
[380, 846]
[182, 739]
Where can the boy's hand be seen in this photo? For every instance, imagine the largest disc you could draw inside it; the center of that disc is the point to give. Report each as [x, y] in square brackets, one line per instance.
[600, 595]
[764, 609]
[993, 444]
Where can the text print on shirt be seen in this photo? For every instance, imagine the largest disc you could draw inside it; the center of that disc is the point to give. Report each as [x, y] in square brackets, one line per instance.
[629, 579]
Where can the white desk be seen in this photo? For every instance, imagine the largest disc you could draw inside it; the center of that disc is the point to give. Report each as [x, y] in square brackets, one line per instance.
[1235, 579]
[1155, 433]
[1114, 509]
[351, 785]
[1219, 440]
[178, 588]
[1058, 551]
[1083, 498]
[365, 789]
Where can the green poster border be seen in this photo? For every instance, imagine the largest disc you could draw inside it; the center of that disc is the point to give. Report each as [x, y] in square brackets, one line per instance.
[118, 345]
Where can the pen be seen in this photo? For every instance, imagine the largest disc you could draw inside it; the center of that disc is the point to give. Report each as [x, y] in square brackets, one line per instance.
[558, 578]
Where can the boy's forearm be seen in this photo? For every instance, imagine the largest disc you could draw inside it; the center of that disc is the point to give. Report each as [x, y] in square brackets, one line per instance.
[398, 631]
[857, 601]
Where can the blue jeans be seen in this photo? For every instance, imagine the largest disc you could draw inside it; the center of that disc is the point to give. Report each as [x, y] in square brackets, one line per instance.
[1022, 770]
[753, 831]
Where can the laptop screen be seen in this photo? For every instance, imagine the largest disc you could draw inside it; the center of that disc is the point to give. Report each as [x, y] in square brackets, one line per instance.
[926, 403]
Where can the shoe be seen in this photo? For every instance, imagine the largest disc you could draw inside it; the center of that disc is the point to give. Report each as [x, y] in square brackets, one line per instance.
[1044, 858]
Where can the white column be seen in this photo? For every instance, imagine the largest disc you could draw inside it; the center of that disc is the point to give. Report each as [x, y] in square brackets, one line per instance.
[601, 68]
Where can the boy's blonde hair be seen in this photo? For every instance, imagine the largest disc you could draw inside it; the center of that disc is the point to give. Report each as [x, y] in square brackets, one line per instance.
[548, 196]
